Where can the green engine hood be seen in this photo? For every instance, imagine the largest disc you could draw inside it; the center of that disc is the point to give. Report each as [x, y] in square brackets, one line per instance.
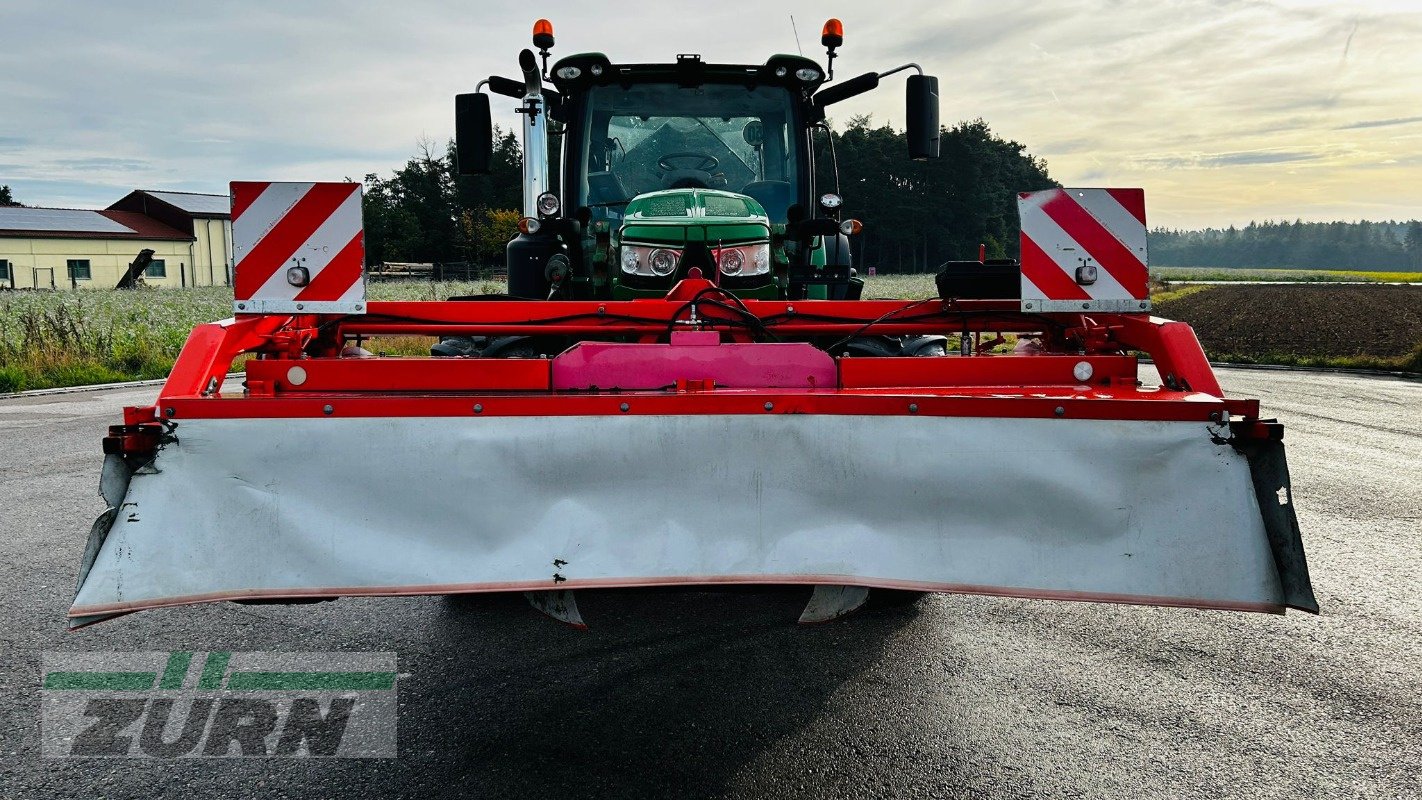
[680, 216]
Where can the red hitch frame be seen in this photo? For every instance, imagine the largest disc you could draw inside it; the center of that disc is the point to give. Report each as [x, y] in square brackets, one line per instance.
[297, 368]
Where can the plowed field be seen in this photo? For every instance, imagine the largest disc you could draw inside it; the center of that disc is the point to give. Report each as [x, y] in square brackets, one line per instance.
[1307, 323]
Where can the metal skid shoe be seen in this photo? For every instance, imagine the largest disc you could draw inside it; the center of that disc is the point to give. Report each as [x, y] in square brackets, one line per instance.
[560, 604]
[833, 602]
[827, 603]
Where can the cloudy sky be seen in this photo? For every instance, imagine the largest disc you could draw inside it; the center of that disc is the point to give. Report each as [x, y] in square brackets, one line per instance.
[1224, 110]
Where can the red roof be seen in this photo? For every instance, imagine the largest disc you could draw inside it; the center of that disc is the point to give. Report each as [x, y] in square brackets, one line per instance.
[65, 223]
[145, 226]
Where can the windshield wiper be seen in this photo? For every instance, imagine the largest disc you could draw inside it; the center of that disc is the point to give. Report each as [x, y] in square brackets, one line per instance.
[718, 138]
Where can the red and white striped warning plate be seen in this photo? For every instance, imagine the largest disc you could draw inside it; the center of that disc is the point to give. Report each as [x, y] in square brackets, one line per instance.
[1084, 249]
[297, 247]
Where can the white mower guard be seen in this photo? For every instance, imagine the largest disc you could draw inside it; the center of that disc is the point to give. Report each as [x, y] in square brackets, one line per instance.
[1149, 512]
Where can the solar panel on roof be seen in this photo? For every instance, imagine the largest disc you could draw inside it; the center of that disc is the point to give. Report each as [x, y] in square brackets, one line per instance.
[65, 220]
[196, 203]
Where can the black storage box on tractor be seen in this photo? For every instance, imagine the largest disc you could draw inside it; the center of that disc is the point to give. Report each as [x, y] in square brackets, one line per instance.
[994, 279]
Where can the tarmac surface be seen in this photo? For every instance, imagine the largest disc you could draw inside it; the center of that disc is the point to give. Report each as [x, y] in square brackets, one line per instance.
[710, 694]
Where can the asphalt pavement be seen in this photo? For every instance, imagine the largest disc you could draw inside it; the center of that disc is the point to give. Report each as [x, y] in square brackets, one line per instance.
[711, 694]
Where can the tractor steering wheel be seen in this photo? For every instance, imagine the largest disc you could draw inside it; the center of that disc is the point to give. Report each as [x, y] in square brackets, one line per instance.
[706, 164]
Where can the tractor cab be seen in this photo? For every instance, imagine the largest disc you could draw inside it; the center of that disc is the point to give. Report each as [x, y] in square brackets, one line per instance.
[739, 129]
[675, 169]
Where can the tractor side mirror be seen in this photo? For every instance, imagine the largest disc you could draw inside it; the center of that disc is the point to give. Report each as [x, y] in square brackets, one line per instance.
[474, 133]
[921, 116]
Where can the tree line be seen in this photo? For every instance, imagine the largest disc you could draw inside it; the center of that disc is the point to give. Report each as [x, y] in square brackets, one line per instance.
[1307, 245]
[427, 213]
[916, 215]
[919, 214]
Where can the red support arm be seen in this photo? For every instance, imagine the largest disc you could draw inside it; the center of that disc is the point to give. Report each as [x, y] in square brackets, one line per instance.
[1174, 349]
[211, 349]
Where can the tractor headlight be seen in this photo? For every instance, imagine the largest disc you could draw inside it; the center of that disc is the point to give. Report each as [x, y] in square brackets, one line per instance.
[649, 261]
[746, 259]
[548, 204]
[731, 261]
[631, 259]
[663, 262]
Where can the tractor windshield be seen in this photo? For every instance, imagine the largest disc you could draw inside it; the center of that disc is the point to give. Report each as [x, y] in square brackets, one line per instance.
[648, 137]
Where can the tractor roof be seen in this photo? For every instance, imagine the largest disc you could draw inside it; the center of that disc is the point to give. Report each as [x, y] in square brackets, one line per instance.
[577, 73]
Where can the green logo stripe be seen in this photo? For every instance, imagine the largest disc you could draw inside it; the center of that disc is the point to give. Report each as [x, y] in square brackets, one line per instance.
[101, 681]
[312, 681]
[176, 670]
[213, 670]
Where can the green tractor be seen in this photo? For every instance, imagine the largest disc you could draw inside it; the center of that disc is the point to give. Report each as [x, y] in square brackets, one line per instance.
[677, 170]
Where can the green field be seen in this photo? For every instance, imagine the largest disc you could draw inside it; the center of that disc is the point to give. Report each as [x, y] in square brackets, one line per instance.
[50, 339]
[921, 285]
[900, 287]
[1255, 275]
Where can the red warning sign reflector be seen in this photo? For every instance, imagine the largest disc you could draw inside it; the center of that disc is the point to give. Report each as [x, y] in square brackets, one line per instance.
[297, 247]
[1084, 250]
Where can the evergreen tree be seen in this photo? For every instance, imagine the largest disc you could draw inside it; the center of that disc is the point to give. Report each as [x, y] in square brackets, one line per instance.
[918, 215]
[426, 213]
[1412, 243]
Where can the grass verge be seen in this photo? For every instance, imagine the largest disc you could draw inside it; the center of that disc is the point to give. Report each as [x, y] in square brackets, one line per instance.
[1408, 364]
